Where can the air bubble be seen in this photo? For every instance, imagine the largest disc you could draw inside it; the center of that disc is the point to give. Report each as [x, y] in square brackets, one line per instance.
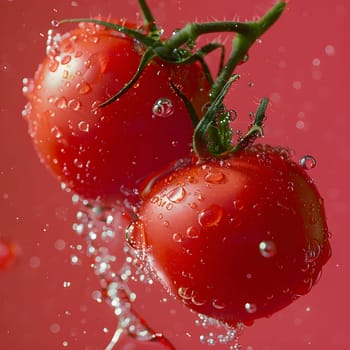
[219, 332]
[28, 85]
[27, 110]
[267, 249]
[307, 162]
[250, 308]
[163, 107]
[74, 260]
[210, 217]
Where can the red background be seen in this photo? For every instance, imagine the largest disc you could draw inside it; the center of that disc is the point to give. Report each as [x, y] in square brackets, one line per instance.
[301, 64]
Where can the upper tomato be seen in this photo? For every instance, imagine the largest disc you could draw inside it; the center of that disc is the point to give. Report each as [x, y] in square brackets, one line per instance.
[235, 239]
[97, 152]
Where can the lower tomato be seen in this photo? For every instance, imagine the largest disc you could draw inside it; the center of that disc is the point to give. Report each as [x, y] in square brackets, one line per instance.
[235, 239]
[101, 152]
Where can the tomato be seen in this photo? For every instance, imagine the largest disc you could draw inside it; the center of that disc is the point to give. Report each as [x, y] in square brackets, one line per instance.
[235, 239]
[101, 153]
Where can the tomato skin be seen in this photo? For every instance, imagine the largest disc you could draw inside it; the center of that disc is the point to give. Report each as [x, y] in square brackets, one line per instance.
[97, 152]
[237, 239]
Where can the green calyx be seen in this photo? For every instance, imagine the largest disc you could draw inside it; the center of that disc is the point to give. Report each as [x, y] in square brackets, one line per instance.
[213, 134]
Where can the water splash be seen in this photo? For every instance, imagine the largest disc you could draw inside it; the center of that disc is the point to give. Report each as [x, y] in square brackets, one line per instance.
[102, 230]
[219, 333]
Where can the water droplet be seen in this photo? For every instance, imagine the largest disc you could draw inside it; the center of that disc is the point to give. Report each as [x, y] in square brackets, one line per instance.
[330, 50]
[176, 195]
[84, 126]
[210, 217]
[61, 103]
[78, 163]
[74, 104]
[28, 85]
[136, 236]
[267, 249]
[198, 300]
[55, 328]
[56, 132]
[218, 304]
[192, 232]
[215, 177]
[250, 308]
[238, 205]
[307, 162]
[93, 39]
[313, 251]
[185, 293]
[55, 23]
[74, 260]
[66, 59]
[27, 110]
[163, 107]
[245, 58]
[66, 284]
[83, 88]
[177, 237]
[53, 65]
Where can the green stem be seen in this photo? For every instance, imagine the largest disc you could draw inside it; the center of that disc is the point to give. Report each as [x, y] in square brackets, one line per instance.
[144, 39]
[200, 139]
[213, 134]
[257, 128]
[249, 31]
[243, 42]
[149, 20]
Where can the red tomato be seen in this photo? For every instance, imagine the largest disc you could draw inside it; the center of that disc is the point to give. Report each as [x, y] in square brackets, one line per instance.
[235, 239]
[99, 152]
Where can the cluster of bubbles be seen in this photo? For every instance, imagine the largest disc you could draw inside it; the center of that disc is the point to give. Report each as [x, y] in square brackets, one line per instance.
[219, 333]
[100, 229]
